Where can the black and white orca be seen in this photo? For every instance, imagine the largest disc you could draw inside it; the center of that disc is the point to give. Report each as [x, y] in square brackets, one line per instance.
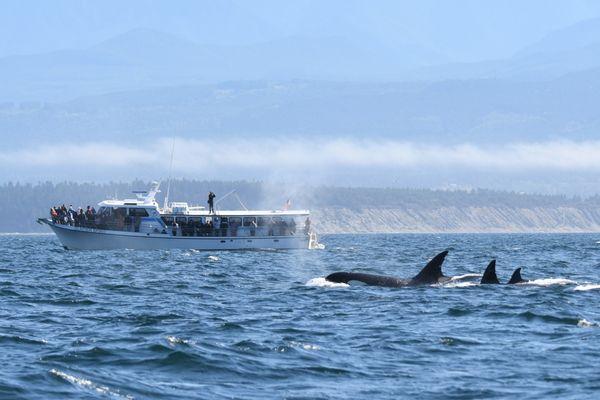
[490, 277]
[429, 275]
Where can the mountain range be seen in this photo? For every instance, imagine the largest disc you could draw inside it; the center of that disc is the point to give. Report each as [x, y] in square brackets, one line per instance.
[144, 58]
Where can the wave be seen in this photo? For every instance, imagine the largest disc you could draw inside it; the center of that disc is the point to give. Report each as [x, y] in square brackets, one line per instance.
[322, 282]
[549, 282]
[549, 318]
[465, 276]
[584, 323]
[22, 340]
[88, 384]
[174, 340]
[586, 287]
[213, 258]
[459, 284]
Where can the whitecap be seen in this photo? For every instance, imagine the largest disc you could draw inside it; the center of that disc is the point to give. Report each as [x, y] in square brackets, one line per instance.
[586, 287]
[465, 276]
[322, 282]
[173, 340]
[213, 258]
[459, 284]
[304, 346]
[87, 384]
[549, 282]
[584, 323]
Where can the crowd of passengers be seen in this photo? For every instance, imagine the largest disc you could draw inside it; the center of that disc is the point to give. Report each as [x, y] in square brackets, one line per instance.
[69, 216]
[186, 227]
[227, 227]
[191, 228]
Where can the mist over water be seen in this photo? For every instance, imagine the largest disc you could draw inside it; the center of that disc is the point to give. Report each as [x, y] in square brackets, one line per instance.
[260, 324]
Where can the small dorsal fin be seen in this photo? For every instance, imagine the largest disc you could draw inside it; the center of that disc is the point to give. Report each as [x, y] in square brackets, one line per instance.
[432, 272]
[489, 276]
[516, 277]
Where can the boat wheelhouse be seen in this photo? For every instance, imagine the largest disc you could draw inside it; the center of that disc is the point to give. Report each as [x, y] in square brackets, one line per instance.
[141, 224]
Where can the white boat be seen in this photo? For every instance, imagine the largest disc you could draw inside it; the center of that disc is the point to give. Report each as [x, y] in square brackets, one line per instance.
[141, 224]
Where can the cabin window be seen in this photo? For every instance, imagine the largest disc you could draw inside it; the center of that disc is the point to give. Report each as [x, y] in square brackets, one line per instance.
[235, 221]
[250, 222]
[263, 221]
[138, 212]
[181, 220]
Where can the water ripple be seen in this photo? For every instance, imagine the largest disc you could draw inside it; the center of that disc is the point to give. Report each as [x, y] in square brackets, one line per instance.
[256, 325]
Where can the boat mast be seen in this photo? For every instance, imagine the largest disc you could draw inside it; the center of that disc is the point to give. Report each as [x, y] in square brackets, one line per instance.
[170, 174]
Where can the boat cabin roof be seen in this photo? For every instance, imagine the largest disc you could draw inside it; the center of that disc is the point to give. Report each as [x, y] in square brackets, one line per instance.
[243, 213]
[127, 203]
[201, 211]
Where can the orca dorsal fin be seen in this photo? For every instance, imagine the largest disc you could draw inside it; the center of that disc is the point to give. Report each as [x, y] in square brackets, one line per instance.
[516, 277]
[432, 272]
[489, 276]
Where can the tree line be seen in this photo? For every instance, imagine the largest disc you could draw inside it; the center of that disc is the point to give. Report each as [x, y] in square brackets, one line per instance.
[22, 203]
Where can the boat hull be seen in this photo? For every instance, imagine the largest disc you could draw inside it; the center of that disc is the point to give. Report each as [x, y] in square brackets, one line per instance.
[94, 239]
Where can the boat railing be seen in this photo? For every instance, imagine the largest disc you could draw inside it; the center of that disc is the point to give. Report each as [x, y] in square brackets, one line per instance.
[187, 230]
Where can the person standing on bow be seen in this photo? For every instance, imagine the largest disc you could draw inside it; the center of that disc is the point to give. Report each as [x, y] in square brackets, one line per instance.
[211, 202]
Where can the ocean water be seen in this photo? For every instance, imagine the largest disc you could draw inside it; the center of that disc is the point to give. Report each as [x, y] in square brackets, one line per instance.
[265, 324]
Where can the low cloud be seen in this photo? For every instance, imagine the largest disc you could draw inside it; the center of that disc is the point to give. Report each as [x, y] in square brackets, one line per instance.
[200, 155]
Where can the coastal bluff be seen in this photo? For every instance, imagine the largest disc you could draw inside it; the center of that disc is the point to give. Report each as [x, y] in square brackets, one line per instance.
[468, 219]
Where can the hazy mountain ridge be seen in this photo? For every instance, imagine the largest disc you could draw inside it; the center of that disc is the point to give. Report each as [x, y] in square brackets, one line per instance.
[452, 111]
[145, 58]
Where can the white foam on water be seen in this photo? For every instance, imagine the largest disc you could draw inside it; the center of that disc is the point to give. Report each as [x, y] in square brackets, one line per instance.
[87, 384]
[584, 323]
[213, 258]
[465, 276]
[305, 346]
[459, 284]
[322, 282]
[549, 282]
[586, 287]
[173, 340]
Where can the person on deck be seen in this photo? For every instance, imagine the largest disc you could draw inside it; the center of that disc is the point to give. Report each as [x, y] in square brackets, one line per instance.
[211, 202]
[53, 215]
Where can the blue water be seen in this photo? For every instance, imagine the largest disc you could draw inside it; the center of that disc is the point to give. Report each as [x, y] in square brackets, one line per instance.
[259, 325]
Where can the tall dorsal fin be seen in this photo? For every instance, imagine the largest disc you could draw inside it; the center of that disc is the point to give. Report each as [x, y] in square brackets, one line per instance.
[489, 276]
[516, 277]
[432, 271]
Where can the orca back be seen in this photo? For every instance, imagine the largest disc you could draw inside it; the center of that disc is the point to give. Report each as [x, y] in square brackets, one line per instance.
[489, 276]
[369, 279]
[516, 277]
[432, 272]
